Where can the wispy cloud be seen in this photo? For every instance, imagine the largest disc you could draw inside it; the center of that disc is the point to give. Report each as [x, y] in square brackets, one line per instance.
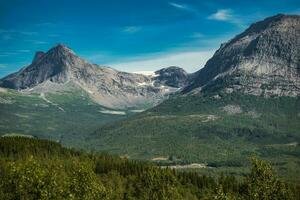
[131, 29]
[28, 33]
[46, 24]
[226, 15]
[23, 51]
[222, 15]
[6, 54]
[37, 41]
[13, 53]
[18, 31]
[190, 61]
[9, 34]
[179, 6]
[184, 7]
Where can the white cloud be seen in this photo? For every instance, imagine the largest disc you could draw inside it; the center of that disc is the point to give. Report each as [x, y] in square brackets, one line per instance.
[184, 7]
[177, 5]
[6, 54]
[190, 61]
[222, 15]
[37, 41]
[227, 15]
[13, 53]
[23, 51]
[131, 29]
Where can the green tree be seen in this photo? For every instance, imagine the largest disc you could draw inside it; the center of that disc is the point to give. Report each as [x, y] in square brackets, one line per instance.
[264, 185]
[52, 179]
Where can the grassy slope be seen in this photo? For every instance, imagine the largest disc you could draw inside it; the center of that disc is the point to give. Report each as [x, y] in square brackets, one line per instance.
[180, 127]
[32, 115]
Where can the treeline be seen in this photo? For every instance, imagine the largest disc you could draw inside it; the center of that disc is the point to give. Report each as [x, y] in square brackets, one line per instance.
[40, 169]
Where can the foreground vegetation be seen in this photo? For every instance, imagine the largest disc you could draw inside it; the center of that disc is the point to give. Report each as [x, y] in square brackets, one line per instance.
[40, 169]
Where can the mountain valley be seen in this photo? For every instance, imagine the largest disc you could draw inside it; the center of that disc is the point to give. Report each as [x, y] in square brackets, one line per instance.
[244, 101]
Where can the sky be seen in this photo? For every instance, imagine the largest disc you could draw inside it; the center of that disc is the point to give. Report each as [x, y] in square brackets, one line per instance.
[129, 35]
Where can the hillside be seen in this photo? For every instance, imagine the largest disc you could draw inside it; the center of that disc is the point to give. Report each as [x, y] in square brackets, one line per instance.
[222, 132]
[66, 116]
[40, 169]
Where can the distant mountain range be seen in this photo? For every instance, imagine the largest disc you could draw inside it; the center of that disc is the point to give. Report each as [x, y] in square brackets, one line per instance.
[60, 69]
[263, 60]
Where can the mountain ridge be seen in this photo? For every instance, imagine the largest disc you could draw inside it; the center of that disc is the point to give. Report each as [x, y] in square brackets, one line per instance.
[50, 71]
[262, 60]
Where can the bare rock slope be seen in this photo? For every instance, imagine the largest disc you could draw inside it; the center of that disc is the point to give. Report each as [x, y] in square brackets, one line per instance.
[263, 60]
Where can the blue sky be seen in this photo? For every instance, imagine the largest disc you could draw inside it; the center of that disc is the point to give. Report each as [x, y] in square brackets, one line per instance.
[130, 35]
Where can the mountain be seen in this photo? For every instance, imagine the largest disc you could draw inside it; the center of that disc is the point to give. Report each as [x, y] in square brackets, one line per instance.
[60, 69]
[172, 76]
[263, 60]
[62, 97]
[244, 101]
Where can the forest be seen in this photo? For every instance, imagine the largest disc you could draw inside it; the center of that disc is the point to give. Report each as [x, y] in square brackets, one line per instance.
[40, 169]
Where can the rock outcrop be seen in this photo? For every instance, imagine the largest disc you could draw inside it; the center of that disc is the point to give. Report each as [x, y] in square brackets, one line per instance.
[172, 76]
[263, 60]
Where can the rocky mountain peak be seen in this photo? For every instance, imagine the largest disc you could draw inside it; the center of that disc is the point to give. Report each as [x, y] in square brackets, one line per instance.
[56, 65]
[263, 60]
[63, 54]
[61, 49]
[60, 69]
[172, 76]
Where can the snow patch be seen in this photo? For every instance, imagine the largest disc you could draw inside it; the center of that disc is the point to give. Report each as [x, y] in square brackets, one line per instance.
[113, 112]
[146, 73]
[137, 111]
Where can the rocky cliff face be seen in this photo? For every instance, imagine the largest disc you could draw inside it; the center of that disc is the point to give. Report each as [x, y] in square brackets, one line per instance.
[172, 76]
[263, 60]
[60, 68]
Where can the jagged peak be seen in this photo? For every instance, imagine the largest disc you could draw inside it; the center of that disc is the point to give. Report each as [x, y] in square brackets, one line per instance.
[270, 21]
[262, 25]
[170, 69]
[61, 49]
